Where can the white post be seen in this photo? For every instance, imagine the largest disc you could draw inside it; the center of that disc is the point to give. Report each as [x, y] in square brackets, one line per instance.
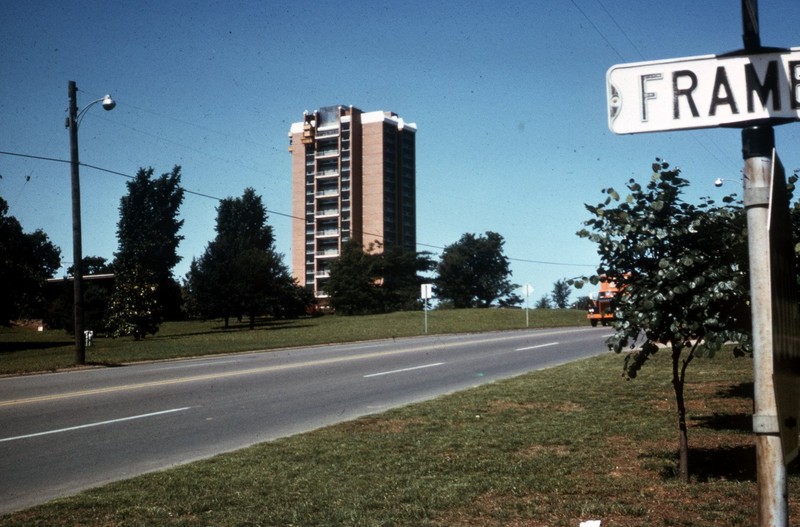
[426, 292]
[527, 289]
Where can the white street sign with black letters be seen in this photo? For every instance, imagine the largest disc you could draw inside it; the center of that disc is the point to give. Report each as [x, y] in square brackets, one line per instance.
[704, 92]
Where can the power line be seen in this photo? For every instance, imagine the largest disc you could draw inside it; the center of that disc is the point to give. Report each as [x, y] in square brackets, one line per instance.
[624, 33]
[128, 176]
[621, 30]
[597, 29]
[276, 213]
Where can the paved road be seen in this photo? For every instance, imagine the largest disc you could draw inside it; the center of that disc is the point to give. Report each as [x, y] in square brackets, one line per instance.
[64, 432]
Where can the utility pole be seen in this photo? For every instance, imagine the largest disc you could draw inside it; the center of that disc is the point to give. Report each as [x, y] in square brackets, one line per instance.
[77, 245]
[73, 122]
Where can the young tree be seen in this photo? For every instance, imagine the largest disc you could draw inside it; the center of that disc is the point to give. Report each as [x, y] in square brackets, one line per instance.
[474, 272]
[543, 303]
[560, 295]
[148, 251]
[27, 260]
[134, 308]
[682, 273]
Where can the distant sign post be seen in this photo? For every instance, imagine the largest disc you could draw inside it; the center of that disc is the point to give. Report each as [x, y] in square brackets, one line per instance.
[704, 92]
[527, 289]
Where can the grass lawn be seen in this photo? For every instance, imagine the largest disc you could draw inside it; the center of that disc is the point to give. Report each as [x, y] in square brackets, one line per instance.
[26, 350]
[550, 448]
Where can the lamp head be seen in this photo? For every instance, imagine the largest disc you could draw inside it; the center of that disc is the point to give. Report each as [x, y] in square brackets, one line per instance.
[108, 103]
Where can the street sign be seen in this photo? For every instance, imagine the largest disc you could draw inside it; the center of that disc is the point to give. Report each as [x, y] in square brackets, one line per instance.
[704, 92]
[426, 291]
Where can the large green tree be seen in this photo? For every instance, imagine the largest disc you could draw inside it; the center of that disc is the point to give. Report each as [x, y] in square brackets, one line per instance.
[682, 273]
[148, 236]
[474, 272]
[241, 273]
[27, 260]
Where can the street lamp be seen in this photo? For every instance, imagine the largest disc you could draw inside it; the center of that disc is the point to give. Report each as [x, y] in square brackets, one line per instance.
[73, 121]
[720, 181]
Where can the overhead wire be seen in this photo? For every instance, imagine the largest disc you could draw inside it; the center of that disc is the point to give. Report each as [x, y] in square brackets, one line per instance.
[597, 29]
[641, 57]
[269, 211]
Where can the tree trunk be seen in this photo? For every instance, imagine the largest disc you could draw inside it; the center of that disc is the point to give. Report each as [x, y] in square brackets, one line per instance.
[678, 380]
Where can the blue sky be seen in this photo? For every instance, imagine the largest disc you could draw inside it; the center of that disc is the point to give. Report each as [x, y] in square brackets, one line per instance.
[509, 100]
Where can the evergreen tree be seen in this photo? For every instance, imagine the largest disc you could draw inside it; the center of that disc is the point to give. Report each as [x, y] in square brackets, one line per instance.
[560, 294]
[400, 278]
[353, 284]
[370, 281]
[148, 235]
[240, 273]
[543, 303]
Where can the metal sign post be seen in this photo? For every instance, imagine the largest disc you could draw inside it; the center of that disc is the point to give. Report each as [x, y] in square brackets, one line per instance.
[528, 290]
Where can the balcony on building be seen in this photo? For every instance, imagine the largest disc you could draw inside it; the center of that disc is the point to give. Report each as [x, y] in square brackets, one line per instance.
[332, 152]
[330, 212]
[327, 192]
[327, 132]
[330, 232]
[327, 173]
[328, 246]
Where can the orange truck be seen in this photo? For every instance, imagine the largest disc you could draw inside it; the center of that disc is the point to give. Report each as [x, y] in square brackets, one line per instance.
[600, 310]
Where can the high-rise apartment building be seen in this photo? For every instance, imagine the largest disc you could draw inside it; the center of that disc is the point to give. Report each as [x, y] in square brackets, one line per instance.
[353, 178]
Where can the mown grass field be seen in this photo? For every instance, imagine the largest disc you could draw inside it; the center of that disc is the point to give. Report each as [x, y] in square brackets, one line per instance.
[26, 350]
